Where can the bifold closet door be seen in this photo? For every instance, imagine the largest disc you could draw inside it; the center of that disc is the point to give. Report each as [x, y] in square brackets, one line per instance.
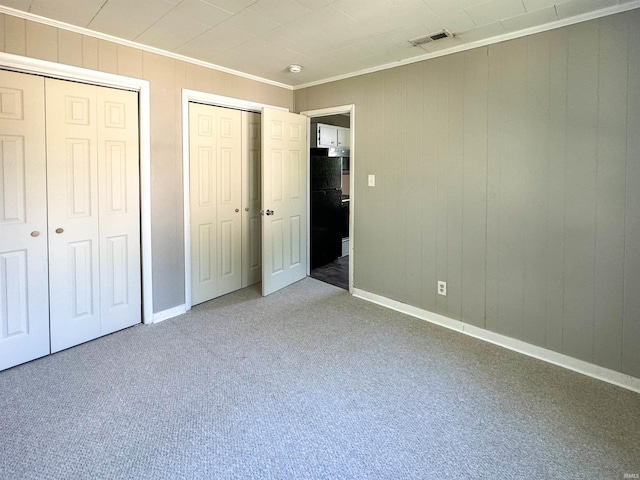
[24, 294]
[215, 201]
[93, 209]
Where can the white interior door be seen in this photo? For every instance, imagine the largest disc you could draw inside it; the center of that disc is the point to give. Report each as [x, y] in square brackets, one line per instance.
[284, 199]
[251, 224]
[24, 289]
[93, 195]
[215, 201]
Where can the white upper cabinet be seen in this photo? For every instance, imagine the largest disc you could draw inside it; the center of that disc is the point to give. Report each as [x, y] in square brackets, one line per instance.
[327, 136]
[330, 136]
[344, 137]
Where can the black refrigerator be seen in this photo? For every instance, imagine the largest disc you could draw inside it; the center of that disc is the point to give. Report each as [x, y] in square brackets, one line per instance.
[326, 209]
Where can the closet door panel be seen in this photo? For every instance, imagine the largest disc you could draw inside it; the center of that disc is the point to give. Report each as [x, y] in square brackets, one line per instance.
[119, 209]
[215, 201]
[72, 181]
[24, 301]
[229, 178]
[251, 221]
[202, 202]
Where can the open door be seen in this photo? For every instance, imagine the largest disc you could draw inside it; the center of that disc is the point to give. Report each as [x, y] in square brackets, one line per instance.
[284, 199]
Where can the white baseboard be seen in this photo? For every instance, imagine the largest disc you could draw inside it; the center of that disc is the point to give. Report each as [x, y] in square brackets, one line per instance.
[607, 375]
[169, 313]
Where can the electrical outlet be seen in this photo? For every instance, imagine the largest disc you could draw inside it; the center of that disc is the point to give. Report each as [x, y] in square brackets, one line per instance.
[442, 288]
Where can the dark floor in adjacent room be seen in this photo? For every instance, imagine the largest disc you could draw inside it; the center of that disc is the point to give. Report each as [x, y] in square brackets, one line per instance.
[336, 273]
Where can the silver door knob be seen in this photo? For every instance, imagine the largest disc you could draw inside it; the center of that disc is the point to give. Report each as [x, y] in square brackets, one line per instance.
[59, 230]
[237, 210]
[35, 233]
[246, 209]
[269, 212]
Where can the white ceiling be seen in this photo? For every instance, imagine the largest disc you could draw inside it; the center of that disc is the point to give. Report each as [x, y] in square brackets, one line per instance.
[329, 38]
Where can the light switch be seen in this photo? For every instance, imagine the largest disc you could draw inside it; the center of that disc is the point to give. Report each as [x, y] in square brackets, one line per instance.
[372, 180]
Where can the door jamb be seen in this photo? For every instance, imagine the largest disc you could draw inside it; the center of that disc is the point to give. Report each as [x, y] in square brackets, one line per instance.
[60, 71]
[216, 101]
[323, 112]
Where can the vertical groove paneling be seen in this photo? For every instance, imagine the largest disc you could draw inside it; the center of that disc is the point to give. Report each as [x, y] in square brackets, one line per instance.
[610, 192]
[555, 189]
[413, 201]
[361, 270]
[89, 52]
[15, 35]
[474, 214]
[2, 32]
[455, 186]
[373, 223]
[389, 181]
[107, 57]
[441, 66]
[129, 61]
[631, 328]
[582, 111]
[399, 186]
[429, 190]
[524, 194]
[42, 41]
[512, 205]
[493, 185]
[534, 190]
[70, 48]
[164, 215]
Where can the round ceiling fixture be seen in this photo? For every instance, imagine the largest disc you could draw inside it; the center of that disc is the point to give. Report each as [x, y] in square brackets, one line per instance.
[295, 68]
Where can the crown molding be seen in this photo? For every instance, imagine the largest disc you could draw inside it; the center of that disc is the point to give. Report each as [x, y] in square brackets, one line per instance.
[631, 5]
[482, 43]
[129, 43]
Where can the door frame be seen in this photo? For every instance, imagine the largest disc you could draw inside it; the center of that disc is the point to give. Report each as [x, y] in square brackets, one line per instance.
[17, 63]
[215, 101]
[323, 112]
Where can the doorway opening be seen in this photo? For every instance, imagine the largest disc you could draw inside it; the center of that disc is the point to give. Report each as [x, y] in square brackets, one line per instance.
[284, 197]
[331, 196]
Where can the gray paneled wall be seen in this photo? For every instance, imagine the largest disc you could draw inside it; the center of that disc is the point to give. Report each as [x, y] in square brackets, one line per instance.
[513, 173]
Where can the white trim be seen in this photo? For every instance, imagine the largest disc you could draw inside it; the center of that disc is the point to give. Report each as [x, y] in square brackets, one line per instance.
[169, 313]
[308, 180]
[229, 102]
[218, 101]
[121, 41]
[65, 72]
[606, 375]
[482, 43]
[323, 112]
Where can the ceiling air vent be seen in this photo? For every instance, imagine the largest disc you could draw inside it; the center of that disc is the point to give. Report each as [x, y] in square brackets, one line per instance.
[430, 38]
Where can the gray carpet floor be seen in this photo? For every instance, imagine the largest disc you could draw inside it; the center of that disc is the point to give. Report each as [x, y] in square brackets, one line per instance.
[308, 383]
